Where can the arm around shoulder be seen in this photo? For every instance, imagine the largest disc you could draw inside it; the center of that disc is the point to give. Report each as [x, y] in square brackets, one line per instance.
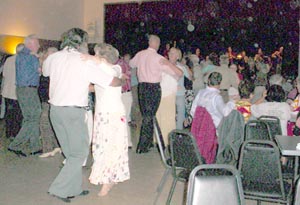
[116, 82]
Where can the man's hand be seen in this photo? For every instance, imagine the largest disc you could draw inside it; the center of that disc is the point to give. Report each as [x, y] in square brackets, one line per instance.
[164, 61]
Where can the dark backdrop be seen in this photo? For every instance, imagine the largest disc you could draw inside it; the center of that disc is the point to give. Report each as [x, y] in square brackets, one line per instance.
[241, 24]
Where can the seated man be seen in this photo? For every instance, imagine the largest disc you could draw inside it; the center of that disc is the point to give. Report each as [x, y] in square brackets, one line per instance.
[212, 101]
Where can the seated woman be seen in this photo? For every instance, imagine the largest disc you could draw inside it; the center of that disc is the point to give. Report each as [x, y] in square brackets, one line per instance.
[246, 89]
[294, 96]
[275, 106]
[296, 127]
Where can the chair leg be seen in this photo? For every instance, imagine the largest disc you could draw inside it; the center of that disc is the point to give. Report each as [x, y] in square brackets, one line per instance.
[172, 191]
[163, 180]
[162, 184]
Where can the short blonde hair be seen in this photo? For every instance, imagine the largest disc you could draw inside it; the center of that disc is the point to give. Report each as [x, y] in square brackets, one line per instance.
[107, 51]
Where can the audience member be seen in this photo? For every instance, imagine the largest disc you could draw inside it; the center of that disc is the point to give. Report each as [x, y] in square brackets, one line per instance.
[180, 94]
[275, 106]
[126, 92]
[13, 115]
[212, 101]
[229, 77]
[243, 105]
[276, 79]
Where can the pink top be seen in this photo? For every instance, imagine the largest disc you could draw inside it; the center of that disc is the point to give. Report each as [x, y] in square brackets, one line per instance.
[125, 70]
[148, 66]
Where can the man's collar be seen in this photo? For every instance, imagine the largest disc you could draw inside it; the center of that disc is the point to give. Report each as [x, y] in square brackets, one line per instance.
[213, 88]
[152, 49]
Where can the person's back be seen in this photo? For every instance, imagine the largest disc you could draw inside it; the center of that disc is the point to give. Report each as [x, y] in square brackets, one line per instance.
[9, 78]
[145, 58]
[70, 77]
[275, 106]
[68, 72]
[211, 100]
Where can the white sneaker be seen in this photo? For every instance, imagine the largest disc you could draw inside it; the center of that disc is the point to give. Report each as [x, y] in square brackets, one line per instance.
[45, 155]
[84, 163]
[50, 154]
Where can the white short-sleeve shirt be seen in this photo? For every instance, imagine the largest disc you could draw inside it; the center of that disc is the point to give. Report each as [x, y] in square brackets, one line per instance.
[70, 77]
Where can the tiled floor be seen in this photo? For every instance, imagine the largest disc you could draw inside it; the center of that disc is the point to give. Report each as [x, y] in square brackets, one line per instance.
[26, 180]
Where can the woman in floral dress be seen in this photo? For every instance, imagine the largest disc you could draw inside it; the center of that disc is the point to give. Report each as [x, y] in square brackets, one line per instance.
[110, 143]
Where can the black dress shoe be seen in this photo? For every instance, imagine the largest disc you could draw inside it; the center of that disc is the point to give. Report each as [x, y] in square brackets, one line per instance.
[141, 151]
[17, 152]
[37, 152]
[66, 200]
[83, 193]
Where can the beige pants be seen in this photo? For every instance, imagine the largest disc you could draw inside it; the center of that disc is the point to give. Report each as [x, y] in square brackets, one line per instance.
[166, 116]
[127, 101]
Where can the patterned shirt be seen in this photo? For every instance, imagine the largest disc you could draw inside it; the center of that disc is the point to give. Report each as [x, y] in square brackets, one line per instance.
[125, 70]
[27, 66]
[244, 107]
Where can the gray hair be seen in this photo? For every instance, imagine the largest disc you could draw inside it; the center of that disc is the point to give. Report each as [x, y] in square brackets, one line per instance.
[20, 47]
[154, 38]
[276, 79]
[224, 60]
[107, 51]
[214, 79]
[29, 38]
[194, 58]
[52, 50]
[73, 38]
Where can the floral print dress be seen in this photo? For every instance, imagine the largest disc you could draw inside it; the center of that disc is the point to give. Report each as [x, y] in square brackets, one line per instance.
[110, 143]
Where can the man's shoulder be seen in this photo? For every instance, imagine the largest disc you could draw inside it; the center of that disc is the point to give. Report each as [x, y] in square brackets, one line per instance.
[65, 54]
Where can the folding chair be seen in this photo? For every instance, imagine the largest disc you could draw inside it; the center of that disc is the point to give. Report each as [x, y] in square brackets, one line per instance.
[215, 184]
[257, 130]
[185, 156]
[273, 124]
[261, 174]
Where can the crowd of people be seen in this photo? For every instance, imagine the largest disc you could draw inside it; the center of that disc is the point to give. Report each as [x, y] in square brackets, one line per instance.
[66, 101]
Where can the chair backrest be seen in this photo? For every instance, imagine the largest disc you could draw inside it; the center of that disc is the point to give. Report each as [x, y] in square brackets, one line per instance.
[273, 123]
[257, 130]
[215, 184]
[260, 170]
[297, 192]
[184, 151]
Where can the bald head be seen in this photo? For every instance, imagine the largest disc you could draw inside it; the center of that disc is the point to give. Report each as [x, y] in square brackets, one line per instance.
[154, 42]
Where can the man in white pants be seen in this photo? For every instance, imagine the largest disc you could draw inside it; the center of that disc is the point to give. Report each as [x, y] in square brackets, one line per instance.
[126, 92]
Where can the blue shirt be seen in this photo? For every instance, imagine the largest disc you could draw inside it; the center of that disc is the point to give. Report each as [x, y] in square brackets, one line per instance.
[181, 88]
[27, 65]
